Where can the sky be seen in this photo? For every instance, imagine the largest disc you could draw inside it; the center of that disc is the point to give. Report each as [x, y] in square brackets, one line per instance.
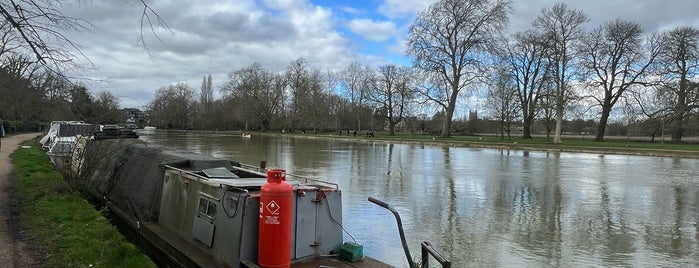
[220, 36]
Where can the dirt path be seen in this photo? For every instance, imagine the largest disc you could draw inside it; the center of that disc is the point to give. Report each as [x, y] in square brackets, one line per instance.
[15, 249]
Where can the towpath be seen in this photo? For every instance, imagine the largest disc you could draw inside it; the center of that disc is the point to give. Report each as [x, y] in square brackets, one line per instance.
[15, 249]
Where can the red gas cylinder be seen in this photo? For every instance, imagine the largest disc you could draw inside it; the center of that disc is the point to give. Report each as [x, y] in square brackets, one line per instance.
[276, 201]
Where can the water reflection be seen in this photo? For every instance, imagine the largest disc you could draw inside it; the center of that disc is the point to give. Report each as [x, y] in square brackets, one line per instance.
[490, 207]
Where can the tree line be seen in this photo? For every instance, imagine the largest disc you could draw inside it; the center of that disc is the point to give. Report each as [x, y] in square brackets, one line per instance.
[539, 80]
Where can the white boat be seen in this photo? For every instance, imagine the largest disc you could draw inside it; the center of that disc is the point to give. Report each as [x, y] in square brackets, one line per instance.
[61, 137]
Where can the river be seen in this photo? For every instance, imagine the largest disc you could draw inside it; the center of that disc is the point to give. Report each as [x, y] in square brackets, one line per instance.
[491, 207]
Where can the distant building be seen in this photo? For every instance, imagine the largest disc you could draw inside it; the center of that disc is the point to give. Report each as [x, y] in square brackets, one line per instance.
[134, 117]
[472, 115]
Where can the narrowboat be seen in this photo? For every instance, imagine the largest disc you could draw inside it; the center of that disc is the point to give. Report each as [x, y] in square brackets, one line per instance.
[203, 211]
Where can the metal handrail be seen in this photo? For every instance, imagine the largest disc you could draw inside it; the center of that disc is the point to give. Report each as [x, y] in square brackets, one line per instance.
[258, 170]
[400, 229]
[252, 169]
[428, 250]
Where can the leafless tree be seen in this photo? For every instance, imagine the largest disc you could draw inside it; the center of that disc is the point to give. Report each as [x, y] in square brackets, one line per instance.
[172, 106]
[39, 28]
[257, 93]
[355, 82]
[393, 92]
[679, 65]
[106, 109]
[503, 97]
[616, 57]
[308, 98]
[563, 27]
[206, 97]
[450, 39]
[530, 69]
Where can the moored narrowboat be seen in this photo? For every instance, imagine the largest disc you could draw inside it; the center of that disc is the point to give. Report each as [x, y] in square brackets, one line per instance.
[205, 212]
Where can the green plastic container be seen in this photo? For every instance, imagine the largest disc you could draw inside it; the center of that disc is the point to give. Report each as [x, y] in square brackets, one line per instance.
[351, 251]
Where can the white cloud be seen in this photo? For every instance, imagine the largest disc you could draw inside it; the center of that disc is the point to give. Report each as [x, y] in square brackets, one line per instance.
[209, 36]
[217, 37]
[377, 31]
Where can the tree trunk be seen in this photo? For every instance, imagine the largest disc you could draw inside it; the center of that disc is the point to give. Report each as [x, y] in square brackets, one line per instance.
[606, 110]
[527, 128]
[677, 130]
[559, 123]
[680, 112]
[446, 125]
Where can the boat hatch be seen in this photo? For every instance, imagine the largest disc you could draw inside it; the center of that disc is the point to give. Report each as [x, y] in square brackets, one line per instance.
[219, 172]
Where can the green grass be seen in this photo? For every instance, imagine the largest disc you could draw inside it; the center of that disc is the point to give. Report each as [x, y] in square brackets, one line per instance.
[570, 144]
[68, 228]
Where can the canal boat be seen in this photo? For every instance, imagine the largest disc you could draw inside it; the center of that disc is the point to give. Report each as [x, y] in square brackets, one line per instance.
[61, 137]
[202, 211]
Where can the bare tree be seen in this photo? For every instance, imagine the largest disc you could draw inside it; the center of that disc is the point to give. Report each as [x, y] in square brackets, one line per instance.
[679, 65]
[106, 109]
[257, 93]
[206, 97]
[564, 29]
[393, 93]
[308, 100]
[503, 94]
[614, 55]
[450, 39]
[39, 27]
[356, 81]
[530, 68]
[172, 106]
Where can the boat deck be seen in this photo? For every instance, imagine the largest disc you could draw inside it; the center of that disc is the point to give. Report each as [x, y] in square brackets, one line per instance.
[187, 255]
[336, 263]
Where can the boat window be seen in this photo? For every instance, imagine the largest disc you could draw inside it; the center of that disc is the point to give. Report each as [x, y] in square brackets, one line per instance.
[211, 212]
[207, 208]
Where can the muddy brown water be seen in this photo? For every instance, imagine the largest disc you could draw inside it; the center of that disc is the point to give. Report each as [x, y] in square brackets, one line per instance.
[490, 207]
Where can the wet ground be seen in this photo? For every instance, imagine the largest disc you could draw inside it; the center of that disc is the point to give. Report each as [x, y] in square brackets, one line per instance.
[16, 247]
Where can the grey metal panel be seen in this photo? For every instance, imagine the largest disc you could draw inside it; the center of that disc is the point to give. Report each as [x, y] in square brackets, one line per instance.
[305, 223]
[203, 229]
[229, 227]
[329, 219]
[249, 232]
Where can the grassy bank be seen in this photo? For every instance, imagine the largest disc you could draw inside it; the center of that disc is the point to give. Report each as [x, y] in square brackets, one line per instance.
[570, 144]
[68, 228]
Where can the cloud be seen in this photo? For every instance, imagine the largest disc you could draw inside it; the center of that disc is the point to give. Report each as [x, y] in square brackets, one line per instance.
[204, 37]
[377, 31]
[217, 37]
[403, 8]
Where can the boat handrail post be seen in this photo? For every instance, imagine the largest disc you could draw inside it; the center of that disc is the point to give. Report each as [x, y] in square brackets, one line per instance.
[427, 250]
[400, 229]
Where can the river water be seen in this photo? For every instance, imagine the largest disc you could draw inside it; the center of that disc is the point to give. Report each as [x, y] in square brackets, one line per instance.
[491, 207]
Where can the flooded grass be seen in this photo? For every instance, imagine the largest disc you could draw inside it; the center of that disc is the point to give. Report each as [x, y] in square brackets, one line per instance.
[70, 230]
[613, 145]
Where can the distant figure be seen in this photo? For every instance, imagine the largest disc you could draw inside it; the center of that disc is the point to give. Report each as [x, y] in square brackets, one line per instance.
[354, 133]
